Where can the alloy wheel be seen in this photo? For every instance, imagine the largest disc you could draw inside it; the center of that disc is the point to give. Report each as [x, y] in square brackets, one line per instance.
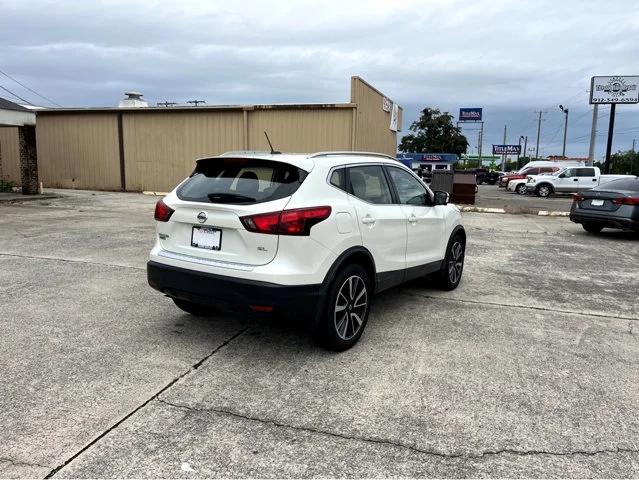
[456, 262]
[544, 191]
[350, 307]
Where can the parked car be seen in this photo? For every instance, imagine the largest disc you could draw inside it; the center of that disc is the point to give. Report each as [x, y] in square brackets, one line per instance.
[313, 235]
[612, 205]
[568, 180]
[504, 180]
[519, 185]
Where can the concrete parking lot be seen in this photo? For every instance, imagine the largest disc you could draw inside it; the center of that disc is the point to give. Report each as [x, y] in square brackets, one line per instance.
[529, 369]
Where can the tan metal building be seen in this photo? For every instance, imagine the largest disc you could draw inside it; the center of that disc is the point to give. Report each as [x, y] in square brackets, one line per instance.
[153, 148]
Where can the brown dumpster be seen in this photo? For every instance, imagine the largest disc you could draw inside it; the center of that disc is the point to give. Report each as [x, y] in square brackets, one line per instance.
[464, 188]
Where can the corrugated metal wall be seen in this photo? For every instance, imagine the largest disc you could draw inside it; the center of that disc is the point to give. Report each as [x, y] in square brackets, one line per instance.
[301, 130]
[81, 149]
[78, 150]
[372, 130]
[9, 155]
[160, 148]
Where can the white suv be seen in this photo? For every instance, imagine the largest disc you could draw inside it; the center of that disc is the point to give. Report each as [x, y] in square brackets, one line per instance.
[315, 235]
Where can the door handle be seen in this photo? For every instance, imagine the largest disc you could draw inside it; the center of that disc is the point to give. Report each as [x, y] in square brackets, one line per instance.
[412, 218]
[594, 179]
[575, 179]
[368, 220]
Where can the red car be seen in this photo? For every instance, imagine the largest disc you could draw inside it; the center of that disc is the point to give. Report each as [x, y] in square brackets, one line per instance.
[523, 173]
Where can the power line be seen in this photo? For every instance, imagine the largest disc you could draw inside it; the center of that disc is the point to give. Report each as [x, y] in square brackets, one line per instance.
[17, 96]
[30, 89]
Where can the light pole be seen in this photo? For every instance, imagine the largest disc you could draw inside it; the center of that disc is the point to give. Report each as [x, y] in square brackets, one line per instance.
[521, 137]
[565, 110]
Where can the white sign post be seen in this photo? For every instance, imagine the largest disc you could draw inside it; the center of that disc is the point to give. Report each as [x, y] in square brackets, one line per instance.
[613, 90]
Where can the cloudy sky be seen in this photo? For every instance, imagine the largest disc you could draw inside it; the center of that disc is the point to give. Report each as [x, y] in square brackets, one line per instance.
[512, 58]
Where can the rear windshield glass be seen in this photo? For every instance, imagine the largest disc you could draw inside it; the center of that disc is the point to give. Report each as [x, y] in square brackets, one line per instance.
[631, 184]
[241, 181]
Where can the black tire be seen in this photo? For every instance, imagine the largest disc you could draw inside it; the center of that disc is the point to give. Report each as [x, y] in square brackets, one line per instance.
[194, 308]
[592, 228]
[521, 189]
[340, 332]
[544, 190]
[449, 276]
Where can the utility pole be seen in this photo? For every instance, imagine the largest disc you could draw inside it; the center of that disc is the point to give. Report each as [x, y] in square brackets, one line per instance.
[195, 102]
[166, 104]
[633, 145]
[503, 157]
[481, 141]
[611, 128]
[593, 133]
[565, 110]
[538, 135]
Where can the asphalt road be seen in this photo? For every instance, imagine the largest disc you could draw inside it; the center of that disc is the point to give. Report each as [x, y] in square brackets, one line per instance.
[491, 196]
[529, 369]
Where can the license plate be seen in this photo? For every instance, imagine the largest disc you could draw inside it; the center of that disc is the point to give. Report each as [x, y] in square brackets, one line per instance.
[597, 203]
[207, 238]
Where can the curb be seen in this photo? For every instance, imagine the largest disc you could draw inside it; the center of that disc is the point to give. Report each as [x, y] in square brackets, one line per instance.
[30, 198]
[515, 211]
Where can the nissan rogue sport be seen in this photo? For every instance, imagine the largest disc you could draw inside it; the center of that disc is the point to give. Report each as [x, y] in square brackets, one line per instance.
[313, 235]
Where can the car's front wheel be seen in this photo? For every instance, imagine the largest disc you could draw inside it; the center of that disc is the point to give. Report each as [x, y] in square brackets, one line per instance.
[521, 189]
[193, 308]
[450, 274]
[345, 312]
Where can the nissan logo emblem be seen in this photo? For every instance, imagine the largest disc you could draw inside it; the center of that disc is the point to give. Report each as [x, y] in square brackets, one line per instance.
[202, 217]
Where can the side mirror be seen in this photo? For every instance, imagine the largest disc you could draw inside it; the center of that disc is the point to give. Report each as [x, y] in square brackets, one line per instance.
[441, 198]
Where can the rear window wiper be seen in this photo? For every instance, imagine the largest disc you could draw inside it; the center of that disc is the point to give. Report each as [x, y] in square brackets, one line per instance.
[229, 197]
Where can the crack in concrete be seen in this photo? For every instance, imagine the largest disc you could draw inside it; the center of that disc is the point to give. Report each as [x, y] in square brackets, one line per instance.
[391, 443]
[524, 307]
[21, 463]
[155, 396]
[68, 260]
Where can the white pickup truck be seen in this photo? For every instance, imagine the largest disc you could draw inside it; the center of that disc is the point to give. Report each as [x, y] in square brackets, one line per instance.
[568, 180]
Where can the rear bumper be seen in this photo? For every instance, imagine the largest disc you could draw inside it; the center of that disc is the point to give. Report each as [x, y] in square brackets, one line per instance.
[209, 289]
[604, 220]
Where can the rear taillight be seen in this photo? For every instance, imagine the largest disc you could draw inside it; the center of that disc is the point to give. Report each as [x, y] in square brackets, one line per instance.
[287, 222]
[626, 201]
[162, 211]
[576, 197]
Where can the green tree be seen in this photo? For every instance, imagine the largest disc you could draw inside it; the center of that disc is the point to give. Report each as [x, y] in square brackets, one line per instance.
[434, 132]
[625, 163]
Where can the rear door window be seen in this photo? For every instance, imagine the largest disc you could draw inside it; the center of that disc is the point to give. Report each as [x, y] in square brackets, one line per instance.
[241, 181]
[369, 184]
[585, 172]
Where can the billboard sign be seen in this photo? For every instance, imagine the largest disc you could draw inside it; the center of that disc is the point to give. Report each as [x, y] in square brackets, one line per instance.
[618, 89]
[506, 149]
[470, 114]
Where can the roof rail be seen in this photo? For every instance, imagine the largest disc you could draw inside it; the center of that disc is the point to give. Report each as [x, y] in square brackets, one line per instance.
[245, 152]
[354, 154]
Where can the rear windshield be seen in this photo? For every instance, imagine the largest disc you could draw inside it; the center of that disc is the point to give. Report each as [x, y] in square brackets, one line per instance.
[631, 184]
[241, 181]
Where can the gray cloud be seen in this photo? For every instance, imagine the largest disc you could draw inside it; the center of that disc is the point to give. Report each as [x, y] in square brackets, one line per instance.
[510, 57]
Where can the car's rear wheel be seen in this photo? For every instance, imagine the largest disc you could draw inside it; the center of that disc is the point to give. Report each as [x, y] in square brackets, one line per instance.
[194, 308]
[450, 274]
[544, 190]
[345, 312]
[521, 189]
[592, 228]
